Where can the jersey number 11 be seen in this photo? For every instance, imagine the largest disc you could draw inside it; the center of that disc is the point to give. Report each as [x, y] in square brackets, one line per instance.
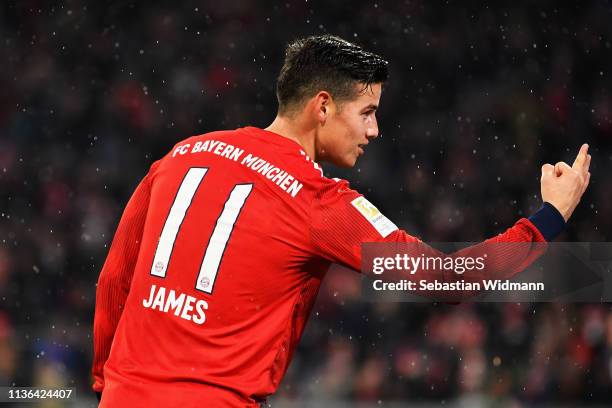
[218, 239]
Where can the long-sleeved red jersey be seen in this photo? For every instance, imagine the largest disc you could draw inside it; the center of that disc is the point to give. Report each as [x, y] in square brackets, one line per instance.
[215, 267]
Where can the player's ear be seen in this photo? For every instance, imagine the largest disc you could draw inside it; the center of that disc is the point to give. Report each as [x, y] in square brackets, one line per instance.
[323, 101]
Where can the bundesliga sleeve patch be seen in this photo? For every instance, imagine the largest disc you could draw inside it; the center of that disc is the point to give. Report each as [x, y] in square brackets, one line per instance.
[382, 224]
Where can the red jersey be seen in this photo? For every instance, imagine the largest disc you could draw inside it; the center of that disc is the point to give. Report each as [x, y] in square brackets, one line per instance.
[215, 267]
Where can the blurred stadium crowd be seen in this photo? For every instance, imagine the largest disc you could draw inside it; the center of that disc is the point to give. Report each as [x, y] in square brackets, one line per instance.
[480, 96]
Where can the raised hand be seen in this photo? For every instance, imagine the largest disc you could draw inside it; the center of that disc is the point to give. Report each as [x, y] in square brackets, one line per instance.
[563, 186]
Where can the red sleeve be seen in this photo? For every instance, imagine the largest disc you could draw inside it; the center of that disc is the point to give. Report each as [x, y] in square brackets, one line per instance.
[116, 276]
[342, 220]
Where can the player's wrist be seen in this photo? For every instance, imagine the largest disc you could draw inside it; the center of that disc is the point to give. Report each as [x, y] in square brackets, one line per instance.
[549, 221]
[564, 210]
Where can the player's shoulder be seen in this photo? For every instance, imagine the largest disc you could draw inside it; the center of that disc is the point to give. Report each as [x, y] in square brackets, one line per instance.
[335, 184]
[313, 174]
[183, 146]
[334, 188]
[325, 189]
[214, 135]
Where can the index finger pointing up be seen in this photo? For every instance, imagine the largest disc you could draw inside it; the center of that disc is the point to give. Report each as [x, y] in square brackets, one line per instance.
[581, 159]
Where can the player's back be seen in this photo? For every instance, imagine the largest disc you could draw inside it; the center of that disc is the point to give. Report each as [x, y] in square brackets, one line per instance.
[224, 279]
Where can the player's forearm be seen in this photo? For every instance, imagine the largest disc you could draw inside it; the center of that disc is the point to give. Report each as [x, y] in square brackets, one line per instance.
[520, 245]
[110, 301]
[516, 248]
[500, 257]
[111, 294]
[544, 225]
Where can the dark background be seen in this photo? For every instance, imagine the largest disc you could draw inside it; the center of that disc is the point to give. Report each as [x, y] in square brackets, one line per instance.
[480, 96]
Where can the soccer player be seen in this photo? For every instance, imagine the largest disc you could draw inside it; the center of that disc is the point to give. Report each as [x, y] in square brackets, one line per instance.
[221, 250]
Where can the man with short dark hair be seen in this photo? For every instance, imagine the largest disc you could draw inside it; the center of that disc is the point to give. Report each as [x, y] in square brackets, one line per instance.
[221, 250]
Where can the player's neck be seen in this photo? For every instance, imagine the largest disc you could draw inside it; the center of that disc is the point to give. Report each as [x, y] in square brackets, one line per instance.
[297, 131]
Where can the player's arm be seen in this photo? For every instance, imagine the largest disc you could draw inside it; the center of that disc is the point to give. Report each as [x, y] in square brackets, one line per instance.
[116, 276]
[343, 220]
[562, 188]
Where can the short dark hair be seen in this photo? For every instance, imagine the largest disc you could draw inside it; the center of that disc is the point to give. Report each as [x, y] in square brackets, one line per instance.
[329, 63]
